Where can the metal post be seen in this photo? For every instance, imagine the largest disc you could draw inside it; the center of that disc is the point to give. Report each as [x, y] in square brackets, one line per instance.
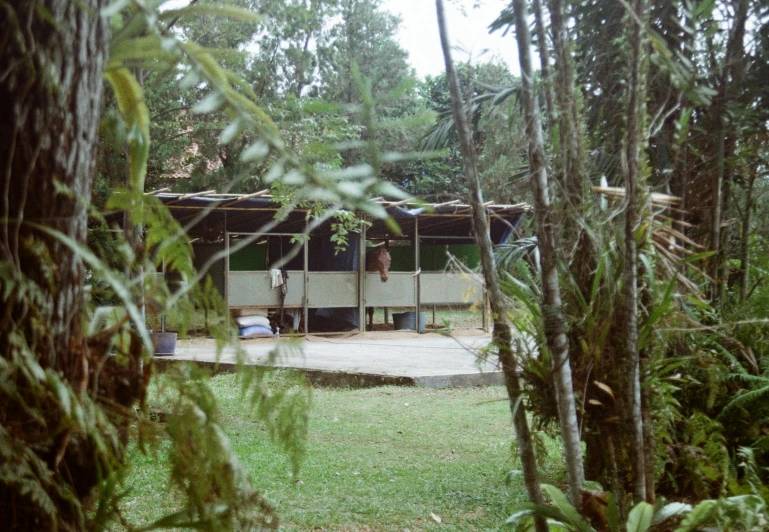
[362, 278]
[163, 314]
[486, 301]
[305, 301]
[417, 274]
[226, 265]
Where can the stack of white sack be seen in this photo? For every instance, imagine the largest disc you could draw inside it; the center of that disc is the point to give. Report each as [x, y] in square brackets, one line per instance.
[254, 327]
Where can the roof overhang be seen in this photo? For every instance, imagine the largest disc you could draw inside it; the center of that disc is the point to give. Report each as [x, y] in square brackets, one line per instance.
[206, 215]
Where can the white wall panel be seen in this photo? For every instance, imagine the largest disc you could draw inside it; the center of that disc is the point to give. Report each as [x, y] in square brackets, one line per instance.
[398, 291]
[253, 289]
[450, 288]
[332, 289]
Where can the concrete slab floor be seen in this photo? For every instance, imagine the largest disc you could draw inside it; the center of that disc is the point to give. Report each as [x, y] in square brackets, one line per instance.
[367, 359]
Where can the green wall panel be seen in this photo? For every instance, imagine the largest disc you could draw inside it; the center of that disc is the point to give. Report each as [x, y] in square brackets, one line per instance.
[250, 258]
[432, 257]
[202, 253]
[401, 259]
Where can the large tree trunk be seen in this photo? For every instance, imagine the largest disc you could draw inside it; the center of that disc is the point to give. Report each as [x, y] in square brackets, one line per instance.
[552, 308]
[52, 60]
[634, 183]
[502, 334]
[51, 89]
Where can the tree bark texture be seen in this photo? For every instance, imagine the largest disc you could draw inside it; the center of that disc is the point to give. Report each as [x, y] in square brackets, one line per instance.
[731, 75]
[502, 334]
[50, 105]
[634, 185]
[544, 62]
[571, 152]
[580, 255]
[716, 192]
[52, 59]
[745, 238]
[650, 443]
[552, 307]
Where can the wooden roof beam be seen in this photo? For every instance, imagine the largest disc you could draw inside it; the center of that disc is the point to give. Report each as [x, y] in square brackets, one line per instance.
[158, 191]
[398, 203]
[191, 195]
[261, 193]
[445, 204]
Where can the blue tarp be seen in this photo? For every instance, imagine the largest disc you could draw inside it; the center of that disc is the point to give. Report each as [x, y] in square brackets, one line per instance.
[323, 258]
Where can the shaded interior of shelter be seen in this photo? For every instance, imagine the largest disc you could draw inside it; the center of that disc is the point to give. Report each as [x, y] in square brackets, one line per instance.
[442, 231]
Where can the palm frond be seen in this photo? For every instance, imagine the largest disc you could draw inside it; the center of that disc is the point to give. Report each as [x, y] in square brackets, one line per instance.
[505, 255]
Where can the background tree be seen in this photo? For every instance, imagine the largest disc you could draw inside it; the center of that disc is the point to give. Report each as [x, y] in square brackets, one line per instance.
[502, 335]
[497, 125]
[687, 44]
[75, 371]
[364, 36]
[554, 320]
[633, 168]
[53, 103]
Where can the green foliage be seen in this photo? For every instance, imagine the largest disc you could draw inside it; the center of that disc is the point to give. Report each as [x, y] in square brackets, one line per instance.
[703, 460]
[641, 518]
[741, 512]
[282, 404]
[72, 443]
[203, 465]
[692, 453]
[317, 107]
[704, 385]
[130, 102]
[363, 35]
[497, 130]
[219, 494]
[263, 116]
[344, 222]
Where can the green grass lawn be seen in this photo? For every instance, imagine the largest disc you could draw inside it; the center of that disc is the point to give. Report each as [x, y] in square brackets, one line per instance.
[378, 459]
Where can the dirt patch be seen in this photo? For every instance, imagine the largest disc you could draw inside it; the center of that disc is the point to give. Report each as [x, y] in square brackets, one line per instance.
[391, 327]
[389, 335]
[352, 336]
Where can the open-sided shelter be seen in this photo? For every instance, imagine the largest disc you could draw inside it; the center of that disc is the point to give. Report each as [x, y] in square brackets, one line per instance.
[328, 287]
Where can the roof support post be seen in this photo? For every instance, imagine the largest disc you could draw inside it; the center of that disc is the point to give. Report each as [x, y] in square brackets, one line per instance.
[226, 265]
[417, 270]
[362, 277]
[486, 303]
[305, 301]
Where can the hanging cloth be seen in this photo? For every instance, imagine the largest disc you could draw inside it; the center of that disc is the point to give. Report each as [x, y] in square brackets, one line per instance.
[276, 277]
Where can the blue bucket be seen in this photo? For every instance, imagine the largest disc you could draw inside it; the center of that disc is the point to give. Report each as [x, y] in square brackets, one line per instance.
[165, 343]
[406, 321]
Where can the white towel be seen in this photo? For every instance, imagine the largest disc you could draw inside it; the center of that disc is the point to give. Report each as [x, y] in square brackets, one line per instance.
[277, 278]
[296, 315]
